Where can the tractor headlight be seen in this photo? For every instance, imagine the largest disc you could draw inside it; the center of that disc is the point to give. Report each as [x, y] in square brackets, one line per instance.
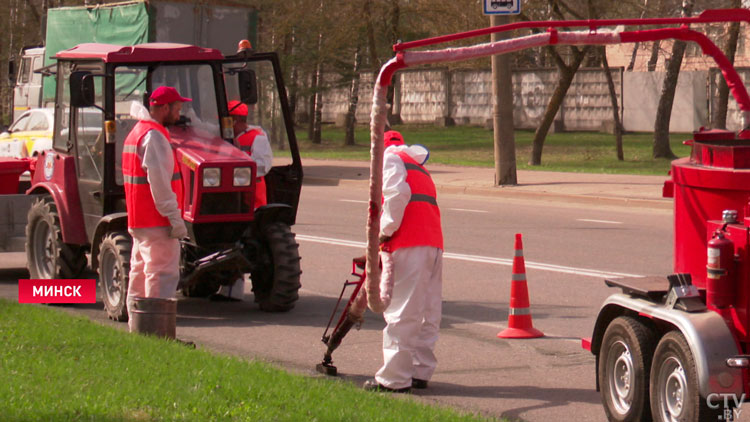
[211, 177]
[242, 176]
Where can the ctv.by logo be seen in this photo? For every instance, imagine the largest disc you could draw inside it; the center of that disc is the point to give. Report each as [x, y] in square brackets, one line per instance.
[730, 413]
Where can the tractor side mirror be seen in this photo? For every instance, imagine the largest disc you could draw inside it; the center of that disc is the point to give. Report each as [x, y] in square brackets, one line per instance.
[248, 86]
[82, 92]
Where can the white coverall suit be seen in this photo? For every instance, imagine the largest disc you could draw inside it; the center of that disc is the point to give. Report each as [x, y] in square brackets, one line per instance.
[155, 258]
[262, 154]
[413, 316]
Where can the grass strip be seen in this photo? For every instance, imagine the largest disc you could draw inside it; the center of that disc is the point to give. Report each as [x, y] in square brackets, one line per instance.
[59, 367]
[587, 152]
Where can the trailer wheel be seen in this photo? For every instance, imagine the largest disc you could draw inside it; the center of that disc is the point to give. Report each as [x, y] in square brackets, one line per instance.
[674, 383]
[114, 271]
[47, 255]
[624, 362]
[276, 280]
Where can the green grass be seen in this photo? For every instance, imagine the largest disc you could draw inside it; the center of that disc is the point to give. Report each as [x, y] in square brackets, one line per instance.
[473, 146]
[58, 367]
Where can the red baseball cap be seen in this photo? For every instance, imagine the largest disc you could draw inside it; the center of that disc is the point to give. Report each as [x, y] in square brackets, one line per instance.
[237, 108]
[392, 137]
[166, 95]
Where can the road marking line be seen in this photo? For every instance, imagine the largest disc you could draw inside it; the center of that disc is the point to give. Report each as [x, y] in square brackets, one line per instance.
[586, 272]
[494, 325]
[355, 201]
[598, 221]
[467, 210]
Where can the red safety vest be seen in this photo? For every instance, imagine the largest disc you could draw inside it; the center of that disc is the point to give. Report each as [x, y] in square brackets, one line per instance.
[245, 141]
[421, 223]
[142, 211]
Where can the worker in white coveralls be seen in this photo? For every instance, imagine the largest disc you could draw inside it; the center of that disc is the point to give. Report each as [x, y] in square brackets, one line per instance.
[411, 241]
[254, 141]
[153, 196]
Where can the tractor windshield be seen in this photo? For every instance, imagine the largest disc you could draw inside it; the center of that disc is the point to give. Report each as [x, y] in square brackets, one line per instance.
[135, 83]
[192, 81]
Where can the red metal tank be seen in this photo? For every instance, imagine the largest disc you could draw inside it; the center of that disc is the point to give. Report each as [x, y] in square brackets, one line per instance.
[715, 177]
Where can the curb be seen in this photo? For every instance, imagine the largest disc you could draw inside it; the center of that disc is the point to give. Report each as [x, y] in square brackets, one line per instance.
[510, 192]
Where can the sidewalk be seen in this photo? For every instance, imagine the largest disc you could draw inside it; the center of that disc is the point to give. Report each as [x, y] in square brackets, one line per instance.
[602, 189]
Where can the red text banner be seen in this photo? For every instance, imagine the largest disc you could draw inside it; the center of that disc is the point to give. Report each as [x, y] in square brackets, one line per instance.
[57, 291]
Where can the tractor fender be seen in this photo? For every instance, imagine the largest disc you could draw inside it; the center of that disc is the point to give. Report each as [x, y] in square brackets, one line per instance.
[711, 342]
[70, 212]
[274, 213]
[109, 223]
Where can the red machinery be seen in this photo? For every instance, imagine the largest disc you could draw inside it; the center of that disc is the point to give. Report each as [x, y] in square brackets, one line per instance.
[76, 203]
[672, 348]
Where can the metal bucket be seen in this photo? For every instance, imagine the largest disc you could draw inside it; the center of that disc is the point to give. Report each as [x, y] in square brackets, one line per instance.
[154, 316]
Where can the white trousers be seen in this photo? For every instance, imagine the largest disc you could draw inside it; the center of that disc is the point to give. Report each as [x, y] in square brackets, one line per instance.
[154, 265]
[235, 290]
[413, 317]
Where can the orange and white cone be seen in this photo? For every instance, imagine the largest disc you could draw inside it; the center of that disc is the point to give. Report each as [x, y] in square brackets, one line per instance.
[519, 318]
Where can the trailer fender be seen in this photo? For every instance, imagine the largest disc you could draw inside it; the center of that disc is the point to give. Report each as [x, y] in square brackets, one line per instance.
[711, 342]
[57, 177]
[112, 222]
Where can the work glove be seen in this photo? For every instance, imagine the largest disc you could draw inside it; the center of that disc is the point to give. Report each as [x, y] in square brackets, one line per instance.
[178, 230]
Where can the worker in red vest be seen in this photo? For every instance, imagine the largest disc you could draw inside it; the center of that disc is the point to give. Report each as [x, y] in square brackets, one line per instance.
[411, 242]
[254, 141]
[153, 196]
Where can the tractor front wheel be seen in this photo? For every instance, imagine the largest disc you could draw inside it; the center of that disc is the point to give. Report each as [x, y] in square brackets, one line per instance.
[624, 365]
[276, 279]
[114, 271]
[47, 255]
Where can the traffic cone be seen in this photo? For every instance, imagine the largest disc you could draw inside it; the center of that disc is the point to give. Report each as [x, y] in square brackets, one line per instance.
[519, 318]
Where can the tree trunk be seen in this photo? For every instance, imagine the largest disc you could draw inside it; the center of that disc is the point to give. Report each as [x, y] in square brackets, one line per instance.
[615, 106]
[394, 112]
[730, 50]
[317, 108]
[311, 104]
[371, 46]
[664, 109]
[654, 56]
[353, 99]
[567, 72]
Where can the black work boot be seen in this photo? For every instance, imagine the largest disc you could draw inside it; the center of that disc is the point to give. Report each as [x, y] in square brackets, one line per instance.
[418, 383]
[374, 385]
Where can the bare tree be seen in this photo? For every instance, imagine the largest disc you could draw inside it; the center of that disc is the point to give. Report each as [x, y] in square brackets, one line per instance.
[615, 106]
[566, 74]
[353, 99]
[730, 49]
[661, 148]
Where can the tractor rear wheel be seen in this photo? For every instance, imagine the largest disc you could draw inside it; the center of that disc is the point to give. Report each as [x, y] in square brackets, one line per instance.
[47, 255]
[114, 272]
[624, 363]
[675, 394]
[276, 279]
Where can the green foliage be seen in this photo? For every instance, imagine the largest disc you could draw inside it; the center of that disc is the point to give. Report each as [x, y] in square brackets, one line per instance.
[588, 152]
[58, 367]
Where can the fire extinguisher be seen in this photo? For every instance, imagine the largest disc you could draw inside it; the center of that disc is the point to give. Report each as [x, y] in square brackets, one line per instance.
[719, 282]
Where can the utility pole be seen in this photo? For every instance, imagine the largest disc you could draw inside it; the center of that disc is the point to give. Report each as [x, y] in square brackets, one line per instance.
[502, 111]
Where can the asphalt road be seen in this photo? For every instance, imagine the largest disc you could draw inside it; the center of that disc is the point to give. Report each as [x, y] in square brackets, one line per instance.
[569, 250]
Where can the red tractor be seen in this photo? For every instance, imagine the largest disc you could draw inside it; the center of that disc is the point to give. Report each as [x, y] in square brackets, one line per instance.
[79, 205]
